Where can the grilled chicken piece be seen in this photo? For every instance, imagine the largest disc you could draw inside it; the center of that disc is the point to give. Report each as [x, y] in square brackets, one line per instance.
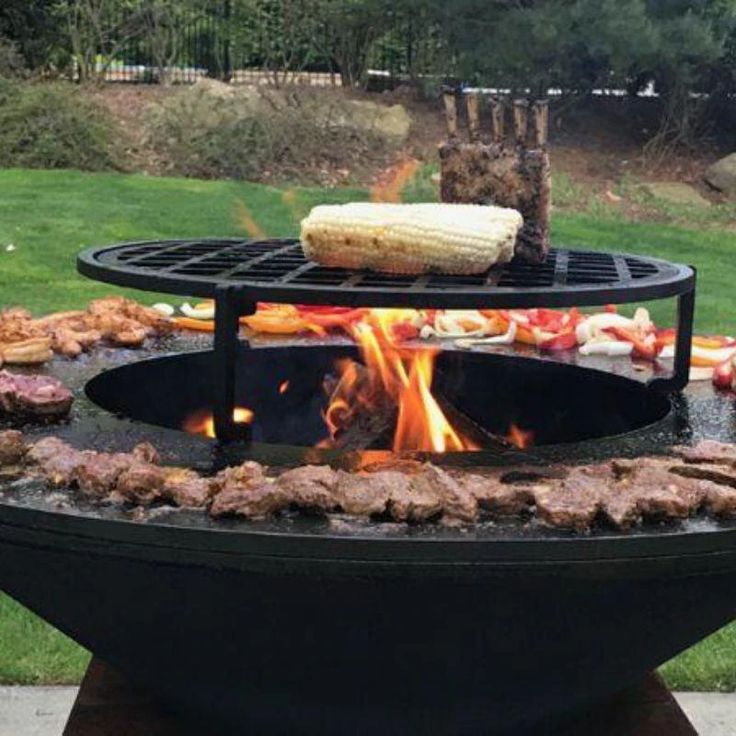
[507, 172]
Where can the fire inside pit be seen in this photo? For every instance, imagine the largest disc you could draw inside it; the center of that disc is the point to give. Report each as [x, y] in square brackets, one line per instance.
[494, 396]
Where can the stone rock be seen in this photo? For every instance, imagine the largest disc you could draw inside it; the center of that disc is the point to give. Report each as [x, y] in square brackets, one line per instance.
[676, 193]
[205, 85]
[722, 175]
[391, 122]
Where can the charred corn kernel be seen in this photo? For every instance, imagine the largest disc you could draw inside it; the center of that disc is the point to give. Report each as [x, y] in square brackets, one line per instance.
[411, 238]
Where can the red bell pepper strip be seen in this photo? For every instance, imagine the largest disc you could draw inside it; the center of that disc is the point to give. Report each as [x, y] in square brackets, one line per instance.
[404, 331]
[563, 341]
[331, 320]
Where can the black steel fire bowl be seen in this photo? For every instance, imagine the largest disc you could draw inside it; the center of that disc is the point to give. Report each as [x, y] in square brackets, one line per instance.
[305, 625]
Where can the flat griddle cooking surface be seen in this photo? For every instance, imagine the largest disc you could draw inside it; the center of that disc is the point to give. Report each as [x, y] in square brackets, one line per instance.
[700, 413]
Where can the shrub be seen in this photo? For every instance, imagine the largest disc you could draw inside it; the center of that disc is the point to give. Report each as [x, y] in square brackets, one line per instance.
[212, 131]
[52, 126]
[12, 63]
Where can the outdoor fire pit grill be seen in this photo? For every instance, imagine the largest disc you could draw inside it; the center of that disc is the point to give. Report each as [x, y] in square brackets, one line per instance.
[303, 624]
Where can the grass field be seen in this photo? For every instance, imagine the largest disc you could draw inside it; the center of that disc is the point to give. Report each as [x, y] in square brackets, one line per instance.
[49, 216]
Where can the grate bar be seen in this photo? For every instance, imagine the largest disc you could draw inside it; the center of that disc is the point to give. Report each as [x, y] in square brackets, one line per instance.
[276, 270]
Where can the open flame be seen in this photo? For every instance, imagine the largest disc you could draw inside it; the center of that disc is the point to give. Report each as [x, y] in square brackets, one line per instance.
[520, 438]
[392, 382]
[203, 422]
[387, 397]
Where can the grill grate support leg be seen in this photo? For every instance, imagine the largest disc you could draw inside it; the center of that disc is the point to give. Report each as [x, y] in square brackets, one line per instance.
[229, 307]
[683, 347]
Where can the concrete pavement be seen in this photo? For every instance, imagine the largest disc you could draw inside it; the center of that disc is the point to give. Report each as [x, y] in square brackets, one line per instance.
[42, 711]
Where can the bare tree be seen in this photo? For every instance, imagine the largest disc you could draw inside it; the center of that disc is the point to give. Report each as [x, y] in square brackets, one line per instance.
[163, 21]
[99, 28]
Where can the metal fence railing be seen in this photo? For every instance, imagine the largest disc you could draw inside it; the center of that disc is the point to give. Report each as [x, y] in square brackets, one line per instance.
[212, 45]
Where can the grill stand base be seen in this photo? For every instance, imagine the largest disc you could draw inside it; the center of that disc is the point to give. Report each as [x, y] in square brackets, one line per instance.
[109, 705]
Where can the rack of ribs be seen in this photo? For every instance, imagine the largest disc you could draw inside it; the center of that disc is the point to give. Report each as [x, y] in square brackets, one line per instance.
[507, 170]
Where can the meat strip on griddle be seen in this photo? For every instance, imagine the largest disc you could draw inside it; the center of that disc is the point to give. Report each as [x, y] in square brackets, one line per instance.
[245, 490]
[56, 461]
[255, 502]
[367, 494]
[498, 498]
[311, 487]
[186, 488]
[98, 473]
[709, 452]
[575, 501]
[140, 483]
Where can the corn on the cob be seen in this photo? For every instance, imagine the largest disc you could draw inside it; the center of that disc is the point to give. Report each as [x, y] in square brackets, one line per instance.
[411, 238]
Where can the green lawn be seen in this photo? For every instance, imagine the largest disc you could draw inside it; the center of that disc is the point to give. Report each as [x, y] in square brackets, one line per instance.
[50, 216]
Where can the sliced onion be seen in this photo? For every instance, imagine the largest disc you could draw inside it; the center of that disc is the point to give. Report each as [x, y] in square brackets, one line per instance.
[204, 312]
[611, 348]
[701, 374]
[166, 309]
[506, 339]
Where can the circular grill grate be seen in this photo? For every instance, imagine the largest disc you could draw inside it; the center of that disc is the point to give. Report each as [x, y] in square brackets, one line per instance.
[276, 270]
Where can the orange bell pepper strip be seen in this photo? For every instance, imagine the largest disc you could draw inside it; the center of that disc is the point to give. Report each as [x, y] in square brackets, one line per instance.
[197, 325]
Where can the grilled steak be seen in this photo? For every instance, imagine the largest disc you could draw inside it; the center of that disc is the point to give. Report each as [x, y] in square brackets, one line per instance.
[141, 483]
[625, 492]
[458, 503]
[12, 447]
[56, 461]
[498, 498]
[98, 473]
[146, 453]
[709, 451]
[252, 502]
[41, 397]
[366, 494]
[720, 474]
[310, 487]
[416, 500]
[185, 488]
[572, 504]
[720, 500]
[247, 475]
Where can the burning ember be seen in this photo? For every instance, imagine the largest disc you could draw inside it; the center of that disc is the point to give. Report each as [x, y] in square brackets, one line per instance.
[391, 387]
[520, 438]
[204, 423]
